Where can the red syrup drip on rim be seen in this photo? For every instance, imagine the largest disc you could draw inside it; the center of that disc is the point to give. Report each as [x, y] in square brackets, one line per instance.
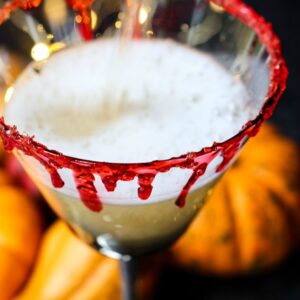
[145, 182]
[197, 173]
[83, 8]
[85, 184]
[110, 173]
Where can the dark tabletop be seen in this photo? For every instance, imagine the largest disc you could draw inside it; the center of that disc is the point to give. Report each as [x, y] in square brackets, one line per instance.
[283, 282]
[280, 283]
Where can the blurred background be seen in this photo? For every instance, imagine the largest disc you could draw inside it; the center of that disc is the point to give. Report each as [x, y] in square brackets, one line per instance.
[271, 265]
[283, 281]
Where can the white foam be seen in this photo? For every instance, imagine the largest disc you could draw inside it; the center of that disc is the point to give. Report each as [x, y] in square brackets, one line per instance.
[155, 100]
[150, 100]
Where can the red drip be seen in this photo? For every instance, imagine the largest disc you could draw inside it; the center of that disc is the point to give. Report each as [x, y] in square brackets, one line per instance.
[110, 182]
[197, 173]
[111, 173]
[145, 182]
[79, 5]
[29, 4]
[228, 154]
[84, 180]
[55, 177]
[83, 8]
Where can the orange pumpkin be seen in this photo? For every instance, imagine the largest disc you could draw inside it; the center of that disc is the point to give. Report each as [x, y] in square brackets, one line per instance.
[2, 152]
[20, 233]
[252, 219]
[67, 269]
[4, 178]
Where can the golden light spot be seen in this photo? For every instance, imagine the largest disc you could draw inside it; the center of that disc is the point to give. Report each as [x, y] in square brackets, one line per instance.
[216, 8]
[8, 94]
[40, 28]
[149, 33]
[94, 19]
[57, 46]
[40, 51]
[118, 24]
[143, 15]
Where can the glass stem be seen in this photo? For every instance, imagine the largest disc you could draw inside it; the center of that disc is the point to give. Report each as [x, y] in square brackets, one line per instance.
[129, 274]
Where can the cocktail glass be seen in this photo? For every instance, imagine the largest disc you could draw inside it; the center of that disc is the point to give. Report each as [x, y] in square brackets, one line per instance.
[233, 33]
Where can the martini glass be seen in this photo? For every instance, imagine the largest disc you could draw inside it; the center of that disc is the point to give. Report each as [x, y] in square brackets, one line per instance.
[240, 40]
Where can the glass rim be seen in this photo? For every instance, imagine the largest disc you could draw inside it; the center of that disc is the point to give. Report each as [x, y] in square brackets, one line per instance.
[277, 84]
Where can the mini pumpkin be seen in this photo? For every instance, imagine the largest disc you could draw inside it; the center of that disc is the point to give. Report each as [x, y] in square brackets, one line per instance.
[67, 269]
[20, 233]
[252, 219]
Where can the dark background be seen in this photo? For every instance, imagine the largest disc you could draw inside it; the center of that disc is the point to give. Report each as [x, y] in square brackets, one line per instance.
[283, 282]
[285, 17]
